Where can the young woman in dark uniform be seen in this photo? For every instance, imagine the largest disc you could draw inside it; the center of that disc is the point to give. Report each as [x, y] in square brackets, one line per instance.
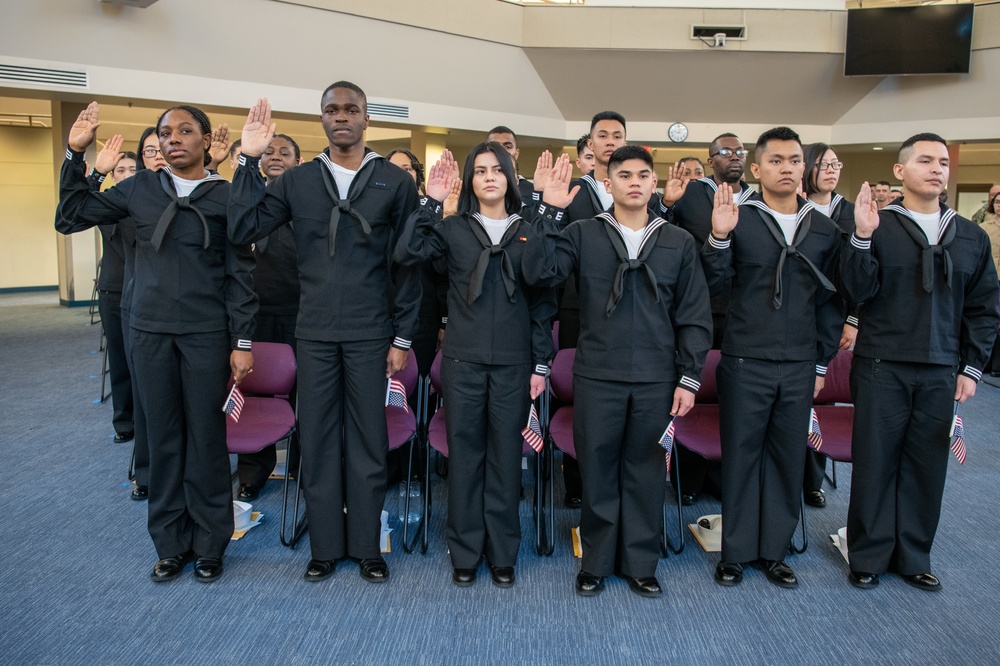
[192, 311]
[495, 355]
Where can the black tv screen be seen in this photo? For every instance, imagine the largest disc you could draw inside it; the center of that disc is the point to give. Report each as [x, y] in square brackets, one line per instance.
[908, 40]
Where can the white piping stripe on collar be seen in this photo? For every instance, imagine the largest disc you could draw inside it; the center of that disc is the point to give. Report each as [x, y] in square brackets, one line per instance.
[651, 226]
[806, 207]
[710, 182]
[369, 156]
[836, 200]
[511, 219]
[210, 176]
[946, 217]
[743, 195]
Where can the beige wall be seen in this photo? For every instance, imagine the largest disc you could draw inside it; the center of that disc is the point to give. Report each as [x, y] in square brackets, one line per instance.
[27, 190]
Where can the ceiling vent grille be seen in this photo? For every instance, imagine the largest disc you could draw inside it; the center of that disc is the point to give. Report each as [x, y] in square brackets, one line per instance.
[389, 110]
[45, 77]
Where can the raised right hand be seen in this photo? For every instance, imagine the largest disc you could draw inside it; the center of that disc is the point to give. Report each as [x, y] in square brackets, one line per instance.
[258, 130]
[557, 192]
[865, 213]
[542, 170]
[676, 185]
[439, 177]
[725, 212]
[109, 155]
[84, 130]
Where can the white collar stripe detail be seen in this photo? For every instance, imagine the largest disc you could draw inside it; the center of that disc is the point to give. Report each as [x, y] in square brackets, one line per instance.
[369, 156]
[946, 217]
[650, 228]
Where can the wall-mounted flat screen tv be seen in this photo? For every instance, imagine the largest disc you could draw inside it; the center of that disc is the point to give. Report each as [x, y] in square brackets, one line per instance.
[909, 40]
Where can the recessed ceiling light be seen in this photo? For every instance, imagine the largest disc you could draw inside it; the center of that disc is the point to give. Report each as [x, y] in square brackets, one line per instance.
[876, 147]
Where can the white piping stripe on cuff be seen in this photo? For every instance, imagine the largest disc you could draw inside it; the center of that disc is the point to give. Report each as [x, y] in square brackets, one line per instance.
[242, 344]
[972, 372]
[401, 343]
[542, 369]
[821, 370]
[689, 383]
[719, 244]
[69, 154]
[852, 320]
[861, 243]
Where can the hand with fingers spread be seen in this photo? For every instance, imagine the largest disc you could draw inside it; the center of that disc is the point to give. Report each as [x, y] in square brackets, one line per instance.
[725, 212]
[542, 170]
[440, 176]
[865, 213]
[84, 130]
[219, 149]
[109, 155]
[676, 185]
[258, 130]
[557, 192]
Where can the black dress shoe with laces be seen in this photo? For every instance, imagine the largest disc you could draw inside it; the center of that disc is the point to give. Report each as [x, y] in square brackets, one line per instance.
[589, 585]
[140, 493]
[646, 586]
[863, 580]
[374, 570]
[168, 568]
[122, 437]
[319, 570]
[207, 569]
[502, 576]
[463, 577]
[573, 501]
[816, 498]
[728, 574]
[780, 573]
[924, 581]
[247, 492]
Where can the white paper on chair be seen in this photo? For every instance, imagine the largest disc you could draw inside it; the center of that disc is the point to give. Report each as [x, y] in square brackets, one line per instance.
[385, 532]
[840, 542]
[279, 466]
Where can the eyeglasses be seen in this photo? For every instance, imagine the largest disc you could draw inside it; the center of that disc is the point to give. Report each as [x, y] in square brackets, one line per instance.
[150, 152]
[836, 166]
[727, 152]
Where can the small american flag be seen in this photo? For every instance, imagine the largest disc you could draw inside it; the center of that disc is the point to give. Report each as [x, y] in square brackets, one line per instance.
[532, 432]
[667, 442]
[815, 436]
[233, 406]
[958, 439]
[395, 395]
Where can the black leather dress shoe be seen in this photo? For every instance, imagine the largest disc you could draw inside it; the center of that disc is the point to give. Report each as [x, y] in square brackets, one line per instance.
[207, 569]
[247, 492]
[375, 570]
[169, 567]
[573, 502]
[502, 576]
[862, 580]
[816, 498]
[140, 493]
[646, 586]
[924, 581]
[319, 570]
[687, 499]
[589, 585]
[728, 574]
[780, 573]
[121, 437]
[463, 577]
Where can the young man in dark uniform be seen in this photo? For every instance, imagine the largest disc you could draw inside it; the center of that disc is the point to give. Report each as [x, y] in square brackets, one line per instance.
[783, 327]
[927, 287]
[357, 315]
[645, 330]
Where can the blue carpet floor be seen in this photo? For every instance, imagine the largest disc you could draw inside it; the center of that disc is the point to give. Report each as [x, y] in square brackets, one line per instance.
[75, 557]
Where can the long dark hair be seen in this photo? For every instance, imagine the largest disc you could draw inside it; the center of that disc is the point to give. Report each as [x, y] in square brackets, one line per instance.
[467, 201]
[418, 168]
[141, 162]
[812, 155]
[199, 117]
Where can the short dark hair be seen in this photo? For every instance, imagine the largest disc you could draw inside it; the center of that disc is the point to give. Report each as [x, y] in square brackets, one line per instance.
[629, 153]
[199, 117]
[140, 163]
[581, 143]
[692, 158]
[923, 136]
[775, 134]
[502, 129]
[350, 86]
[295, 146]
[814, 153]
[724, 135]
[129, 155]
[467, 201]
[884, 182]
[234, 147]
[418, 167]
[606, 115]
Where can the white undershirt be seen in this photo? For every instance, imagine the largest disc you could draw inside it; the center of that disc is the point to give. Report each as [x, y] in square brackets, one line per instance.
[606, 199]
[494, 228]
[344, 178]
[787, 224]
[928, 223]
[633, 240]
[823, 208]
[184, 186]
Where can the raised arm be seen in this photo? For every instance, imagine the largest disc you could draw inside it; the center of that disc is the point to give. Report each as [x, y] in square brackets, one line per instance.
[717, 253]
[550, 256]
[255, 211]
[422, 238]
[859, 268]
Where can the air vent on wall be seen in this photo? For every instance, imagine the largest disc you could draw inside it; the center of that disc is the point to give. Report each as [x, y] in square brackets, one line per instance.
[710, 31]
[141, 4]
[388, 110]
[42, 76]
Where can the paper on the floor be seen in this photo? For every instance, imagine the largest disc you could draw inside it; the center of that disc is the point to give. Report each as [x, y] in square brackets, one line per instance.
[255, 518]
[279, 466]
[385, 532]
[840, 542]
[577, 544]
[707, 547]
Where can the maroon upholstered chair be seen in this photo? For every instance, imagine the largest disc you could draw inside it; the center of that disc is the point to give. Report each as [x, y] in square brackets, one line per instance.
[835, 412]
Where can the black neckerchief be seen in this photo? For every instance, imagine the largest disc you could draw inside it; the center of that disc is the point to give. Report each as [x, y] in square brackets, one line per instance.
[803, 222]
[489, 249]
[615, 235]
[595, 199]
[343, 204]
[946, 234]
[181, 203]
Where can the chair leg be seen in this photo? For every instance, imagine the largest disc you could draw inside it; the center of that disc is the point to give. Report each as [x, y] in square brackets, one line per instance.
[792, 548]
[104, 368]
[668, 546]
[290, 535]
[427, 501]
[410, 546]
[832, 480]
